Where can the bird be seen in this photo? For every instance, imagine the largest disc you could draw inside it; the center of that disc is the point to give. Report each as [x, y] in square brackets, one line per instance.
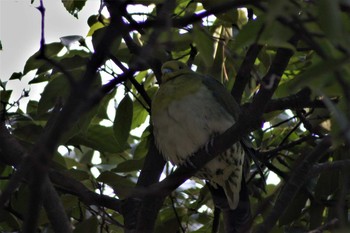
[188, 111]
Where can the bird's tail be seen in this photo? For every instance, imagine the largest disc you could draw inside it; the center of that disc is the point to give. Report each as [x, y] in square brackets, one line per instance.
[232, 187]
[238, 219]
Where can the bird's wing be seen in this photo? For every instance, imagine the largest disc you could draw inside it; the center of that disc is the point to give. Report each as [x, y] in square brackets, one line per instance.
[222, 95]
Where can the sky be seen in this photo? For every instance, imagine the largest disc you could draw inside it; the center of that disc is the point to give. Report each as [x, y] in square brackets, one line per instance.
[20, 29]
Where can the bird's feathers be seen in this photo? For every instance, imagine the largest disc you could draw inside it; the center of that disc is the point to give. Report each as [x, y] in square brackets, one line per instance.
[187, 111]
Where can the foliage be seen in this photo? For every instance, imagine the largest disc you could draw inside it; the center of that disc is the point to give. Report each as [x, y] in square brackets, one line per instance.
[100, 159]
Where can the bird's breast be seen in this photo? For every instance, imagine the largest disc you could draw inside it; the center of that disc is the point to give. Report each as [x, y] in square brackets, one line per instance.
[185, 124]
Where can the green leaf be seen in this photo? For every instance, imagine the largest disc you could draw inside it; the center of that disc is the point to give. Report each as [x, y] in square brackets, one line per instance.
[230, 16]
[129, 165]
[56, 90]
[97, 36]
[319, 73]
[139, 116]
[33, 63]
[316, 212]
[9, 222]
[122, 121]
[142, 148]
[248, 34]
[204, 44]
[74, 6]
[32, 107]
[293, 211]
[28, 132]
[102, 109]
[175, 41]
[90, 225]
[5, 96]
[42, 77]
[74, 62]
[329, 19]
[327, 185]
[16, 75]
[77, 174]
[275, 34]
[120, 184]
[98, 137]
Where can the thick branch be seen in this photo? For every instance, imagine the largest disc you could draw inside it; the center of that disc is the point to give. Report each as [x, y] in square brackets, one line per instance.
[244, 72]
[142, 219]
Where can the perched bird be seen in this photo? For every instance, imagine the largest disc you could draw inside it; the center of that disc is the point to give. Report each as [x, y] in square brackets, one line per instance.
[188, 110]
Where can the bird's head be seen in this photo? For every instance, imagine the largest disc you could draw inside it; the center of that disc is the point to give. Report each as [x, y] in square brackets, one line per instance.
[172, 69]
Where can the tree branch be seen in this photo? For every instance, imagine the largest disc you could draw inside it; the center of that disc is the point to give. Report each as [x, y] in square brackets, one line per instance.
[244, 72]
[295, 182]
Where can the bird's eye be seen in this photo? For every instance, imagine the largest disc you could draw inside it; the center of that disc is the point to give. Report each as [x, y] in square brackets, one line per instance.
[166, 70]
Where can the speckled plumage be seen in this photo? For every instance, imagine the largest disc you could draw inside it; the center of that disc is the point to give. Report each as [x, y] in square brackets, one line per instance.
[187, 111]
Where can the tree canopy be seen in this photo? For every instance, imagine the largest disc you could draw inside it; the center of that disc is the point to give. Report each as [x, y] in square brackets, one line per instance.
[66, 165]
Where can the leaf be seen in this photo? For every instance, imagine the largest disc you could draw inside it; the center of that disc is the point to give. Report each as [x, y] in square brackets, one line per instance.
[98, 137]
[32, 107]
[74, 62]
[42, 77]
[318, 74]
[56, 90]
[229, 16]
[142, 148]
[204, 43]
[329, 19]
[28, 133]
[175, 41]
[120, 184]
[129, 165]
[275, 34]
[139, 115]
[316, 212]
[5, 96]
[74, 6]
[248, 34]
[122, 121]
[33, 63]
[90, 225]
[9, 222]
[77, 174]
[294, 208]
[97, 36]
[326, 185]
[102, 109]
[16, 75]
